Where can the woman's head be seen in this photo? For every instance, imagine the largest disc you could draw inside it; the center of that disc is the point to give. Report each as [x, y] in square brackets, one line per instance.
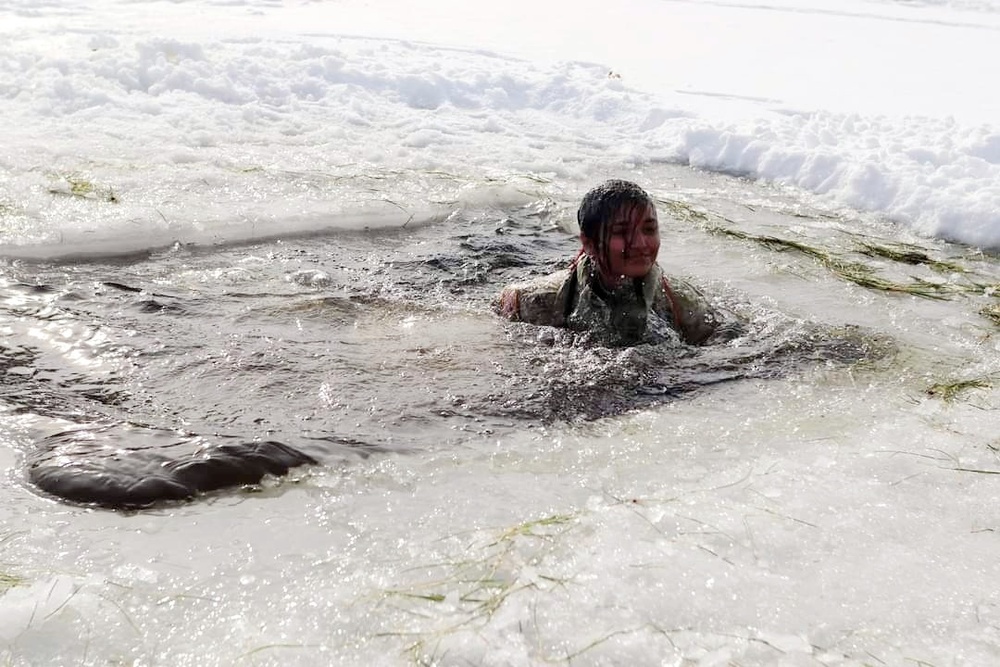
[619, 230]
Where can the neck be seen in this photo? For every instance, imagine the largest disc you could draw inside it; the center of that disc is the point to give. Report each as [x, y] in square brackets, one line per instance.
[602, 279]
[610, 283]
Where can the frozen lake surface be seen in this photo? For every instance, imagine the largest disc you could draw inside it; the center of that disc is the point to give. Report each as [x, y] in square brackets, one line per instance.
[829, 512]
[286, 220]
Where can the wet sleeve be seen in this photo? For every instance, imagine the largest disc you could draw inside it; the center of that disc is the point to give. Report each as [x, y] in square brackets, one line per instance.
[698, 321]
[535, 302]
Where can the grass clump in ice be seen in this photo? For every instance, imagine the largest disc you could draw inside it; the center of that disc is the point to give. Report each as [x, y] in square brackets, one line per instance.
[950, 390]
[855, 272]
[471, 591]
[907, 254]
[846, 269]
[73, 185]
[483, 584]
[992, 313]
[683, 211]
[8, 581]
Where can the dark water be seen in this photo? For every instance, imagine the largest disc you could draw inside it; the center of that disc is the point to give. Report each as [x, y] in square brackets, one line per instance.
[331, 347]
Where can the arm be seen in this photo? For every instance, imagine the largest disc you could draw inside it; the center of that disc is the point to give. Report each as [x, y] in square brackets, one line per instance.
[698, 322]
[539, 301]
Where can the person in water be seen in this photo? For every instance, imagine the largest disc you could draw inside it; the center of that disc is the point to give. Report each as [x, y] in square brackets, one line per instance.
[614, 288]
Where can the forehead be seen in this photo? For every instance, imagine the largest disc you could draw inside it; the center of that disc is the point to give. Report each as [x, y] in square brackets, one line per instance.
[634, 212]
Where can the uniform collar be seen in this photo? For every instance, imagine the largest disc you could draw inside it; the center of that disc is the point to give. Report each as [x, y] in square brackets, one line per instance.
[586, 275]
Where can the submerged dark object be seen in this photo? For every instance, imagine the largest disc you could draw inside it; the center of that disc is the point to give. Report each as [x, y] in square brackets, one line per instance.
[130, 466]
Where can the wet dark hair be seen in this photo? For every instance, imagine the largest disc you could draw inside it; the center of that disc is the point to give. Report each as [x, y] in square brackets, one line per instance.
[599, 206]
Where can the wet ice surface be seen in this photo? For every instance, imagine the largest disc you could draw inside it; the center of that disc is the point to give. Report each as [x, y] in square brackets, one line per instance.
[477, 500]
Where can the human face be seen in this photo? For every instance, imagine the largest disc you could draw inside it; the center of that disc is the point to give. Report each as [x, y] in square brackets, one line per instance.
[633, 243]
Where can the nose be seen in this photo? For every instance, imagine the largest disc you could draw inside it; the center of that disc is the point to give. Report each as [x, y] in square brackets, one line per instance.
[641, 242]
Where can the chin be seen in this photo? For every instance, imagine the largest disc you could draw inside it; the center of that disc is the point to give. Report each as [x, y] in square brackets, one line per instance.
[638, 271]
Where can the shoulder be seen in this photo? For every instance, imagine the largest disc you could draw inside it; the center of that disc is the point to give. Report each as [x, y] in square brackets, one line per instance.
[684, 292]
[536, 301]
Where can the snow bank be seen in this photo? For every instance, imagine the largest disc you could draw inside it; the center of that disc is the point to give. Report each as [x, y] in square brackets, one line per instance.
[936, 175]
[116, 130]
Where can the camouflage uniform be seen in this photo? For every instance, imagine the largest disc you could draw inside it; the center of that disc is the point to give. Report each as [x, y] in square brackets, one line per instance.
[648, 310]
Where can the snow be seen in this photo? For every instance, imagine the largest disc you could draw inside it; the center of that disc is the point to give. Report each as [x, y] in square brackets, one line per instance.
[885, 107]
